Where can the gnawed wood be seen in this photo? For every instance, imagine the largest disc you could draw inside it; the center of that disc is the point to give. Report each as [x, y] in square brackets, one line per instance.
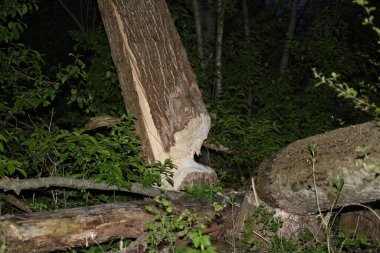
[158, 85]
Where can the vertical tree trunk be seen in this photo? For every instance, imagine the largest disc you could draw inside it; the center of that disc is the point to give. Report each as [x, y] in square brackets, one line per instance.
[209, 16]
[198, 30]
[246, 36]
[246, 19]
[289, 36]
[218, 48]
[158, 85]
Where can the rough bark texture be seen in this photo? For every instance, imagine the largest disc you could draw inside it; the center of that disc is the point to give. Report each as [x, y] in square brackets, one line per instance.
[18, 185]
[64, 229]
[286, 180]
[158, 85]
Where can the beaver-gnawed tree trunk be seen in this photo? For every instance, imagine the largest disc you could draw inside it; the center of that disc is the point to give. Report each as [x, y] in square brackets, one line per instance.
[158, 85]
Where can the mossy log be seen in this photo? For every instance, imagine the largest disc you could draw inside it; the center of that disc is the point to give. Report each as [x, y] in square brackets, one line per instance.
[350, 155]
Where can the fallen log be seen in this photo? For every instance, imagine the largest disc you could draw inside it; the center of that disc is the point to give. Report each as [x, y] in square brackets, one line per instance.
[350, 155]
[82, 227]
[297, 182]
[65, 229]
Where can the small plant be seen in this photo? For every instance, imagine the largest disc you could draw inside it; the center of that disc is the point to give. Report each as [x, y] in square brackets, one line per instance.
[169, 227]
[204, 192]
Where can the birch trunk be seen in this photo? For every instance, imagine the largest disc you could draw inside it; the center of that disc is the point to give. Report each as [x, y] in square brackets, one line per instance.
[158, 85]
[218, 48]
[198, 30]
[246, 36]
[289, 36]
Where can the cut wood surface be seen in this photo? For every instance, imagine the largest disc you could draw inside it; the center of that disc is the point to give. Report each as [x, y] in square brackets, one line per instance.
[158, 85]
[351, 154]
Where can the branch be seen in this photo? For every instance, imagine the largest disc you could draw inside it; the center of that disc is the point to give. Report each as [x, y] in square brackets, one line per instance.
[17, 185]
[71, 14]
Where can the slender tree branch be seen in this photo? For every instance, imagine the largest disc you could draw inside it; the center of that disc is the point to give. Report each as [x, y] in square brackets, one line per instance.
[71, 14]
[17, 185]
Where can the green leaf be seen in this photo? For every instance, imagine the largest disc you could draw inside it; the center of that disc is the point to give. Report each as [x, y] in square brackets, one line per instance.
[338, 184]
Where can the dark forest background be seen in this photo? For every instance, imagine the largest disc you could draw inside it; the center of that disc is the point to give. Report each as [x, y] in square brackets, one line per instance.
[56, 72]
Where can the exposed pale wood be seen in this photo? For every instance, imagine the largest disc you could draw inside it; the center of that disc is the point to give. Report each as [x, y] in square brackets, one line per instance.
[287, 179]
[158, 85]
[101, 121]
[64, 229]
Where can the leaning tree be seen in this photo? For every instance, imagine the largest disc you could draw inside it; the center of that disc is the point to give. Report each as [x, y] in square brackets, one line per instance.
[158, 85]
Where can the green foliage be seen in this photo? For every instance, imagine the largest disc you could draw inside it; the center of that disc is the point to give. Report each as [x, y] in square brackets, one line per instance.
[168, 227]
[262, 221]
[99, 92]
[204, 192]
[344, 90]
[8, 166]
[364, 91]
[112, 158]
[11, 12]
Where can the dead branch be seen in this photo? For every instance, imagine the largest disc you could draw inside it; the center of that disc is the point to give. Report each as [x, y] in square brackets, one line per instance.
[17, 185]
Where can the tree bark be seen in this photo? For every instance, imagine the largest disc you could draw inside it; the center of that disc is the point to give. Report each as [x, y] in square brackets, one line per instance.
[18, 185]
[65, 229]
[287, 179]
[158, 85]
[218, 48]
[247, 31]
[287, 187]
[289, 36]
[198, 31]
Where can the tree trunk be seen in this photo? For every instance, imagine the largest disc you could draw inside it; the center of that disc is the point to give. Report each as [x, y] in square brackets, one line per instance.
[198, 30]
[247, 29]
[218, 48]
[351, 154]
[158, 85]
[289, 36]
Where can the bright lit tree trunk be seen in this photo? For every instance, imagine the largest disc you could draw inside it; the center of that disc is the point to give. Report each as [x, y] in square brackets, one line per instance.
[218, 48]
[158, 85]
